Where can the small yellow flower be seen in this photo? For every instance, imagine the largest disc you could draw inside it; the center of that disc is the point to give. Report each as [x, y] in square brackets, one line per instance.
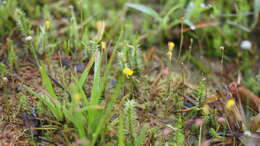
[47, 24]
[100, 25]
[230, 103]
[205, 109]
[77, 97]
[103, 45]
[128, 71]
[169, 53]
[171, 45]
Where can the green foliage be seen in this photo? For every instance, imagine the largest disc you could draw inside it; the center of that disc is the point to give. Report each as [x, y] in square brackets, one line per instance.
[145, 10]
[139, 140]
[194, 12]
[52, 104]
[178, 138]
[46, 82]
[177, 101]
[253, 83]
[41, 41]
[23, 23]
[164, 21]
[3, 70]
[129, 119]
[121, 132]
[12, 58]
[214, 133]
[171, 13]
[130, 56]
[25, 28]
[201, 92]
[22, 100]
[81, 111]
[6, 9]
[197, 63]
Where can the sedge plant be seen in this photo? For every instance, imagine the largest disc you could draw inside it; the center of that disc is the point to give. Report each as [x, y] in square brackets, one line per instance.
[90, 116]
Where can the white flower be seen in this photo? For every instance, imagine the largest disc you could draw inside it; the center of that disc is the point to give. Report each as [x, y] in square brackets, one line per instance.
[246, 45]
[5, 79]
[28, 38]
[203, 5]
[247, 133]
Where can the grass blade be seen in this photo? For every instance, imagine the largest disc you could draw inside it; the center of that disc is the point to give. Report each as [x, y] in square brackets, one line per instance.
[106, 114]
[46, 81]
[85, 73]
[121, 137]
[145, 9]
[140, 139]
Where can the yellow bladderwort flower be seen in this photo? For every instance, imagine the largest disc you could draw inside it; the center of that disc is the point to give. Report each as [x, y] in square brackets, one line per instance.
[103, 45]
[128, 71]
[169, 53]
[171, 45]
[47, 24]
[205, 109]
[77, 97]
[230, 103]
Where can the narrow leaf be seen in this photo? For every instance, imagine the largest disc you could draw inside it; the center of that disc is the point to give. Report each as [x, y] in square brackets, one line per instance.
[140, 139]
[145, 10]
[85, 73]
[46, 81]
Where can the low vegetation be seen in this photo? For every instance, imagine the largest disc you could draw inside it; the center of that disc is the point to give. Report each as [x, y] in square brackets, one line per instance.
[129, 72]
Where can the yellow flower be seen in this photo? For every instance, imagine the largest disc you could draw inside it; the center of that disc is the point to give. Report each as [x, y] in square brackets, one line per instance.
[103, 45]
[171, 45]
[205, 109]
[230, 103]
[128, 71]
[169, 53]
[77, 97]
[101, 25]
[47, 24]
